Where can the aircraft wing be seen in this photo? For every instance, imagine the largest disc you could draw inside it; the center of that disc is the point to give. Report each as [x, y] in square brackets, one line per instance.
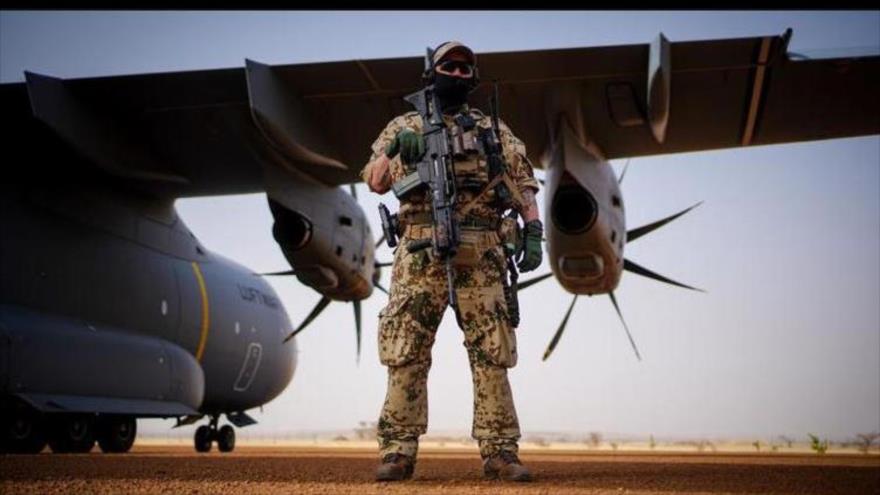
[703, 95]
[214, 132]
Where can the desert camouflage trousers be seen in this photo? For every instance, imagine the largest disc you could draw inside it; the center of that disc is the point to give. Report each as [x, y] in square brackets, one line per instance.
[408, 325]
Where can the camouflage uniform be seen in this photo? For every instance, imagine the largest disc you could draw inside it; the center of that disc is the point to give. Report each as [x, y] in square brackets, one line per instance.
[418, 299]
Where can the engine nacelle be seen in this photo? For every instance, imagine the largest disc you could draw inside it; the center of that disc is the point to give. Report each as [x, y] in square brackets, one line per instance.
[586, 230]
[326, 239]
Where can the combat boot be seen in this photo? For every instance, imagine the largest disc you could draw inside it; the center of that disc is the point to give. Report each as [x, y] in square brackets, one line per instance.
[395, 467]
[505, 465]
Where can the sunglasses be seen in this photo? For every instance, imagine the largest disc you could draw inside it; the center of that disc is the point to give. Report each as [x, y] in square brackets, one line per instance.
[450, 66]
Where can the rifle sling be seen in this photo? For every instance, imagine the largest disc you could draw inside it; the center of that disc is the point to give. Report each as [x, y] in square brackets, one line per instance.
[503, 177]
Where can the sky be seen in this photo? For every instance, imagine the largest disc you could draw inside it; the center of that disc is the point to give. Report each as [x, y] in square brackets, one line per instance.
[785, 341]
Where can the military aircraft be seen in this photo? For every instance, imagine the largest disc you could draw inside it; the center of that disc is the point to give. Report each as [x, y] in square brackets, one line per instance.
[111, 310]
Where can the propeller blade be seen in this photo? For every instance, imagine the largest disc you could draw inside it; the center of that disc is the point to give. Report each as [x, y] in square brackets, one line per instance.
[558, 334]
[357, 327]
[623, 173]
[353, 191]
[315, 312]
[380, 241]
[631, 341]
[644, 229]
[383, 265]
[285, 272]
[532, 281]
[640, 270]
[379, 286]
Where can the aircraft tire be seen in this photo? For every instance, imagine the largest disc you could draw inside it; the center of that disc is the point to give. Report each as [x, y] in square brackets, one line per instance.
[116, 434]
[23, 432]
[203, 439]
[226, 439]
[72, 434]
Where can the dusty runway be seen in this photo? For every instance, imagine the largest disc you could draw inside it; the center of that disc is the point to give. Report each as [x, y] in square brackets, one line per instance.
[303, 471]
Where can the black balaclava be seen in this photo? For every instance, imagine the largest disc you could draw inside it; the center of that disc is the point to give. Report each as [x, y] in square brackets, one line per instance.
[451, 91]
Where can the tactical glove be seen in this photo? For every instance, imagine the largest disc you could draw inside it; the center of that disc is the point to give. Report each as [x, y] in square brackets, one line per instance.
[410, 145]
[532, 236]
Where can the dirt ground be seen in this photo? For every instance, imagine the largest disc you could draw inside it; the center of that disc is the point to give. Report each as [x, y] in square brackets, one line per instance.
[172, 469]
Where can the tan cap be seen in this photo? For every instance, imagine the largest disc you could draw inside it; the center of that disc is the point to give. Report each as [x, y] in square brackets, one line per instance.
[451, 47]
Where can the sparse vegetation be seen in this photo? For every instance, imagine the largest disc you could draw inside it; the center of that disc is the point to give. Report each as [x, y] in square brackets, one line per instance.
[595, 439]
[786, 440]
[864, 441]
[614, 446]
[540, 441]
[757, 445]
[366, 430]
[700, 445]
[651, 443]
[818, 446]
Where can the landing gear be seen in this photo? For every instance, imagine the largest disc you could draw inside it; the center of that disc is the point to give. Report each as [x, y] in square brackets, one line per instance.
[226, 439]
[203, 438]
[72, 433]
[207, 434]
[23, 430]
[116, 434]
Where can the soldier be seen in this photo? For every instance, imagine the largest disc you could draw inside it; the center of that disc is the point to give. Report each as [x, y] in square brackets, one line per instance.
[418, 296]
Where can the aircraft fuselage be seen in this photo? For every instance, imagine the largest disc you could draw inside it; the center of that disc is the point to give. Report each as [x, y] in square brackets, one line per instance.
[110, 305]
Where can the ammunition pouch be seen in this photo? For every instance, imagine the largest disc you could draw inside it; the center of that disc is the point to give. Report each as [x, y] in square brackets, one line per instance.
[414, 218]
[473, 246]
[463, 142]
[477, 236]
[510, 234]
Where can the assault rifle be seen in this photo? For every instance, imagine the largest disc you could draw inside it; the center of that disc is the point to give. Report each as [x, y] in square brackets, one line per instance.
[435, 170]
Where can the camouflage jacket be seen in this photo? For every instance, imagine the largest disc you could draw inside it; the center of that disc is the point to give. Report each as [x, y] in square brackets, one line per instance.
[519, 167]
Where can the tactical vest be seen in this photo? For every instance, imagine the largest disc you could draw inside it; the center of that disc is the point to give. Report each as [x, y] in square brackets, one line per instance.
[483, 184]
